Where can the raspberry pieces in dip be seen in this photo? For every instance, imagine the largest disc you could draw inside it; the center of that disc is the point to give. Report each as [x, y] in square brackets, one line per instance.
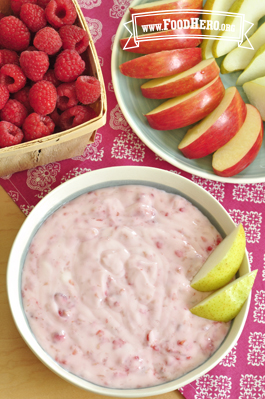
[106, 287]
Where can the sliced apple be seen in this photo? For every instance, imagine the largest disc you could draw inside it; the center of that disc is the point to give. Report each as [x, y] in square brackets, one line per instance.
[164, 63]
[181, 83]
[255, 69]
[223, 263]
[187, 109]
[239, 58]
[166, 43]
[217, 128]
[163, 5]
[213, 5]
[252, 13]
[242, 149]
[255, 91]
[225, 304]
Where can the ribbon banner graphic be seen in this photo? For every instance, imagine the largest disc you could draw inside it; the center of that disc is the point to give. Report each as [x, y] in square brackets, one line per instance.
[170, 21]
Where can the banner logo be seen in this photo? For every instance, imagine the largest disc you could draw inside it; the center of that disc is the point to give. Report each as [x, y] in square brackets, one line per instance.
[237, 30]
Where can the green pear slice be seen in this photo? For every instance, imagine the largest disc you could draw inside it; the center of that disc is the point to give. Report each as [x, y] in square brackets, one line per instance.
[207, 44]
[239, 58]
[213, 5]
[255, 69]
[224, 304]
[223, 262]
[255, 91]
[252, 14]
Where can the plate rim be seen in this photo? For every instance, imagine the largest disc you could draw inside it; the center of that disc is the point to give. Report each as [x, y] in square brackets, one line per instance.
[189, 169]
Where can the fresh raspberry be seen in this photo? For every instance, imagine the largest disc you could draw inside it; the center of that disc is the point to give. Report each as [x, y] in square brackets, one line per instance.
[43, 97]
[48, 40]
[31, 48]
[60, 12]
[87, 89]
[14, 112]
[74, 38]
[9, 134]
[2, 15]
[23, 97]
[12, 77]
[34, 64]
[75, 116]
[68, 66]
[43, 3]
[17, 4]
[55, 115]
[8, 57]
[14, 35]
[50, 77]
[37, 126]
[66, 96]
[33, 17]
[4, 96]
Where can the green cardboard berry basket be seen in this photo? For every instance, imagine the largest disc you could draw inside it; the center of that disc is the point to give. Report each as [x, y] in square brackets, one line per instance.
[68, 143]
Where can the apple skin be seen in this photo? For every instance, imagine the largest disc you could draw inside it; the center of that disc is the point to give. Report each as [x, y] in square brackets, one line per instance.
[176, 5]
[190, 110]
[164, 63]
[189, 83]
[246, 160]
[224, 128]
[154, 46]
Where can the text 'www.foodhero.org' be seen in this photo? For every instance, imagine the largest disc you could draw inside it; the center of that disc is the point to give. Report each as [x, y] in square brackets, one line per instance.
[193, 23]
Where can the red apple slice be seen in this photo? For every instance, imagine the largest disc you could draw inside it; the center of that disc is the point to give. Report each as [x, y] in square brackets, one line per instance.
[217, 128]
[182, 83]
[164, 5]
[164, 63]
[187, 109]
[242, 149]
[166, 43]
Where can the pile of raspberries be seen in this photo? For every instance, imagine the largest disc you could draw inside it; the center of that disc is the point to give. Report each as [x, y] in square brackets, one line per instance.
[45, 85]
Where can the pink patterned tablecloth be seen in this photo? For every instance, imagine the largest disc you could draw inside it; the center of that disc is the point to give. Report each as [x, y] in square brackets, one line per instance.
[241, 374]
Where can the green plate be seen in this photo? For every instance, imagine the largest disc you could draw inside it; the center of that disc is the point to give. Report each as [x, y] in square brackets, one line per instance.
[165, 143]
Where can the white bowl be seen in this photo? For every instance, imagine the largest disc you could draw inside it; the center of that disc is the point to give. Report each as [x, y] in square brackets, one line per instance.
[115, 176]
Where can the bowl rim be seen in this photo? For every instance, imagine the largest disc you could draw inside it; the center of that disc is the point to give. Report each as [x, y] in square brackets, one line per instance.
[117, 175]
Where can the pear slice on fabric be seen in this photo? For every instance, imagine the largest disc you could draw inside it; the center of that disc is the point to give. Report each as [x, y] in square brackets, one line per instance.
[223, 262]
[239, 58]
[255, 91]
[253, 13]
[255, 69]
[213, 5]
[224, 304]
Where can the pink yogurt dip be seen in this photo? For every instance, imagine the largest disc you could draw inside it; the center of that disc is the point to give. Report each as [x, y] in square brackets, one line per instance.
[106, 287]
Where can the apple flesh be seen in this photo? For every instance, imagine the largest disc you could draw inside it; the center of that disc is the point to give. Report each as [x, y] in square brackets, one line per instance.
[164, 63]
[242, 149]
[166, 5]
[187, 109]
[217, 128]
[166, 43]
[181, 83]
